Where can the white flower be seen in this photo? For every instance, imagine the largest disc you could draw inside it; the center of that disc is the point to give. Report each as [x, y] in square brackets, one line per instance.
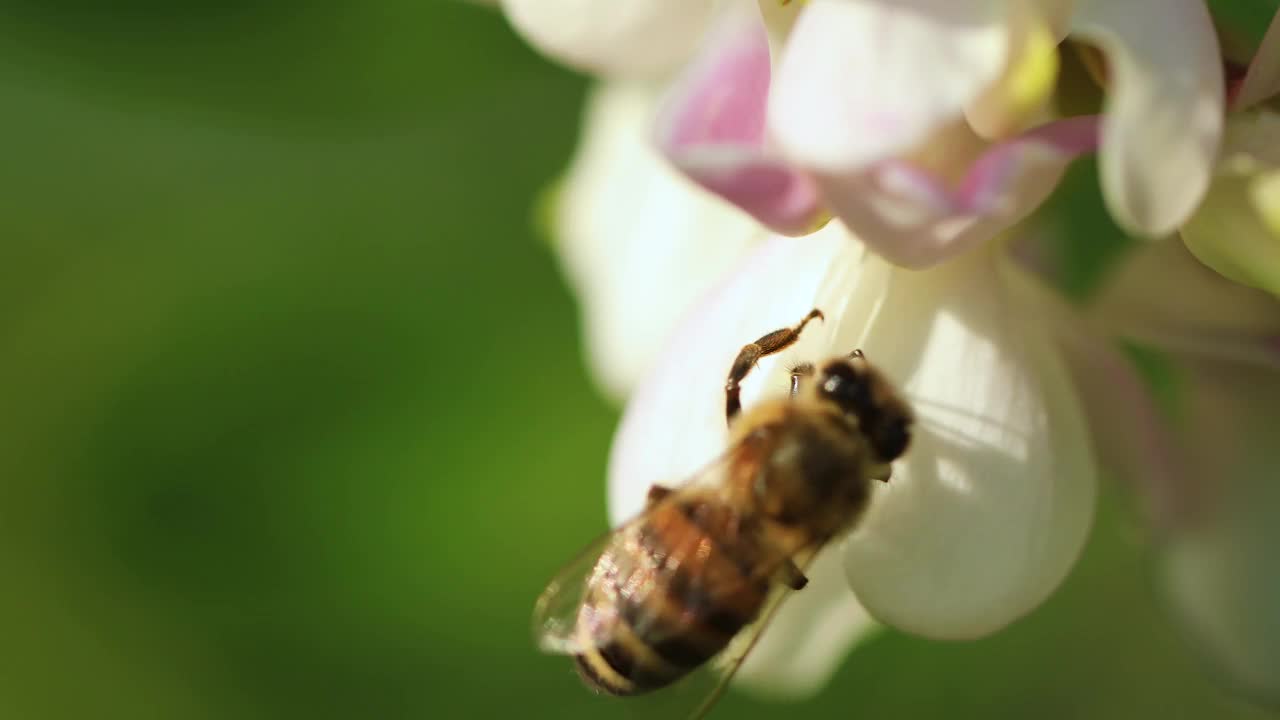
[991, 507]
[924, 127]
[637, 242]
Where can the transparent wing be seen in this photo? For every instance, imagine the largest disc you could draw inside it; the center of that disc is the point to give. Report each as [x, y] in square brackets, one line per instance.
[555, 615]
[682, 576]
[695, 696]
[727, 664]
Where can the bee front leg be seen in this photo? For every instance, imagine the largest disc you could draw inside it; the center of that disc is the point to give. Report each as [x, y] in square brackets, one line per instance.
[791, 576]
[750, 354]
[881, 473]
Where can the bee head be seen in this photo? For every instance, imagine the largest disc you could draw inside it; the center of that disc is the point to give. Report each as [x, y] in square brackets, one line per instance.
[862, 392]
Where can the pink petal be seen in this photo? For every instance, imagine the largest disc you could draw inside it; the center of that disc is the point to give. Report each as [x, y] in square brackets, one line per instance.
[713, 130]
[914, 217]
[1262, 79]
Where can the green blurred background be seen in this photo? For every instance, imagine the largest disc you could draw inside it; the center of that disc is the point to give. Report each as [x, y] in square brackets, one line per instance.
[294, 419]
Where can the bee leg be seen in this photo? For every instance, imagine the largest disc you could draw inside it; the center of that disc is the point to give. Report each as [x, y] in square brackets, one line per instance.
[882, 473]
[656, 493]
[751, 353]
[791, 576]
[803, 370]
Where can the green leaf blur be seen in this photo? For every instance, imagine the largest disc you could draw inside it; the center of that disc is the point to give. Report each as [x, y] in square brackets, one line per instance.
[294, 420]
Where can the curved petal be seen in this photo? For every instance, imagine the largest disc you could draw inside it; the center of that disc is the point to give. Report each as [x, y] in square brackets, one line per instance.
[1164, 107]
[1236, 230]
[614, 39]
[1262, 79]
[991, 506]
[861, 82]
[637, 242]
[957, 192]
[1230, 234]
[712, 129]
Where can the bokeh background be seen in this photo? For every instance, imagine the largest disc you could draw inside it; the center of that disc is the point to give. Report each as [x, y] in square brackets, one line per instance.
[294, 420]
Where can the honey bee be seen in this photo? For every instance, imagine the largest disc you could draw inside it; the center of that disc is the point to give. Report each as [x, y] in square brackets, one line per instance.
[701, 565]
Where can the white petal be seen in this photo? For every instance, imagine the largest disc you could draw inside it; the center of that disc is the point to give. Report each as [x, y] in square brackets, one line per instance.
[638, 242]
[993, 502]
[1164, 107]
[863, 81]
[633, 38]
[1222, 573]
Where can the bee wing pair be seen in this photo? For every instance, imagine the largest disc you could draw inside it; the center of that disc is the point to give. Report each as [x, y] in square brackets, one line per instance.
[556, 614]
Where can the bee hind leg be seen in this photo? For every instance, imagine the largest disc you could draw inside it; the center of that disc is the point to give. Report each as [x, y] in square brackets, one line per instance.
[750, 354]
[791, 576]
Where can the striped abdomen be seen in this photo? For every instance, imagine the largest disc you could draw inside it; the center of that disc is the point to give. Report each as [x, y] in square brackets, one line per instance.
[667, 596]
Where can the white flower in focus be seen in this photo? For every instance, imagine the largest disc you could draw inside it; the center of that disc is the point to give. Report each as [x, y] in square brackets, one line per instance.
[991, 505]
[923, 127]
[990, 509]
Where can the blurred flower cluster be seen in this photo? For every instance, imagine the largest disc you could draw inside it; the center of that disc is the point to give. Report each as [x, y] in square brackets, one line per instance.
[889, 162]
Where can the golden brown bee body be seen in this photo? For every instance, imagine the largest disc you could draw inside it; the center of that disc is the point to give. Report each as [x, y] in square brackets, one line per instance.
[671, 589]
